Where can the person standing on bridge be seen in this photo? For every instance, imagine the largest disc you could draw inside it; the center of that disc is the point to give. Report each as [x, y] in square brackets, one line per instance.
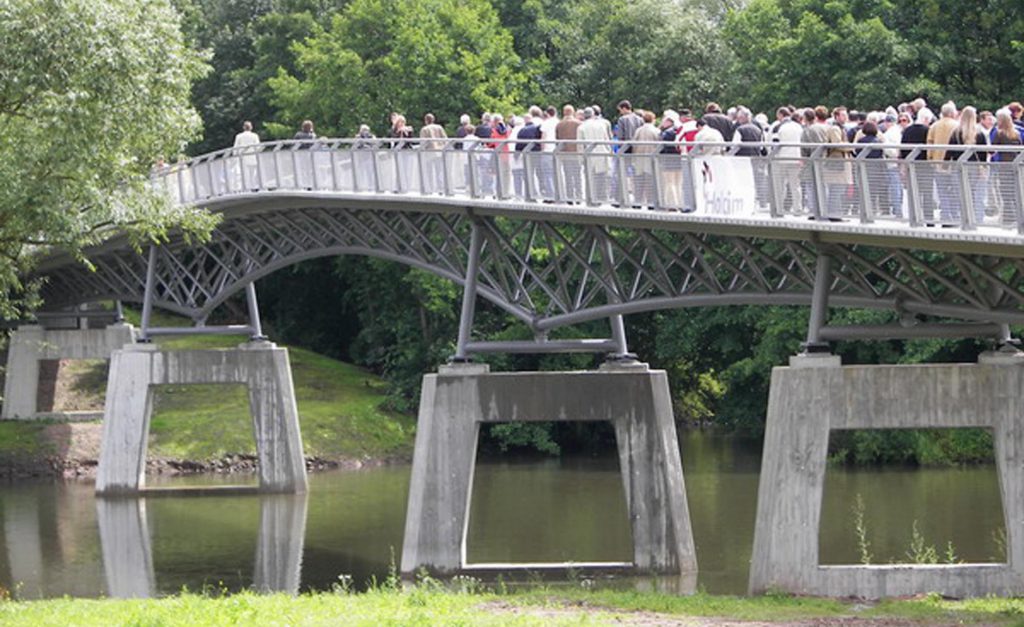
[528, 145]
[243, 145]
[432, 135]
[945, 180]
[566, 132]
[596, 132]
[304, 167]
[548, 136]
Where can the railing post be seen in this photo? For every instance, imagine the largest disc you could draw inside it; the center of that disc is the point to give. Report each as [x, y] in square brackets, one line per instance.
[818, 179]
[499, 177]
[866, 208]
[558, 182]
[1018, 204]
[656, 178]
[529, 169]
[419, 168]
[148, 294]
[774, 200]
[353, 166]
[967, 219]
[259, 167]
[469, 292]
[621, 164]
[334, 169]
[277, 167]
[588, 174]
[915, 212]
[446, 175]
[471, 163]
[377, 183]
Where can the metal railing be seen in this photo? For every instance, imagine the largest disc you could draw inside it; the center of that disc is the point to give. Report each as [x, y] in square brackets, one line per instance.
[838, 182]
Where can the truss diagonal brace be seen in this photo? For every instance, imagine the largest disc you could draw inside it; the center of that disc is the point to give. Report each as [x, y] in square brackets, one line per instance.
[819, 306]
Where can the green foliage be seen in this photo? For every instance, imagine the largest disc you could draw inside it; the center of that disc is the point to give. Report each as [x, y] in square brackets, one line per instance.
[443, 56]
[657, 54]
[523, 435]
[922, 447]
[91, 94]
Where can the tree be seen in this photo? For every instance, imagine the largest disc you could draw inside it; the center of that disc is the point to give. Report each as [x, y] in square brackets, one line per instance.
[657, 54]
[444, 56]
[91, 94]
[807, 53]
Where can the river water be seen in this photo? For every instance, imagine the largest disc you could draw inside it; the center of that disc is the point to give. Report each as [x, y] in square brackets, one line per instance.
[59, 540]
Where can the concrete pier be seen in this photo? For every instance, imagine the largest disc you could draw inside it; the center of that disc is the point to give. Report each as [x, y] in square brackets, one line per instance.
[459, 398]
[261, 366]
[31, 343]
[806, 402]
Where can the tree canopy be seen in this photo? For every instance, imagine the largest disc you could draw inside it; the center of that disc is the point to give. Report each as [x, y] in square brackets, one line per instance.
[91, 95]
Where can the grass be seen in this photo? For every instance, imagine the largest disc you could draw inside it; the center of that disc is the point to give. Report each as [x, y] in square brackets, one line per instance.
[22, 440]
[431, 604]
[339, 411]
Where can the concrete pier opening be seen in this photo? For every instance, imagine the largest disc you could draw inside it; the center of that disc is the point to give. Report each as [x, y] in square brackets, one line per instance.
[561, 499]
[911, 496]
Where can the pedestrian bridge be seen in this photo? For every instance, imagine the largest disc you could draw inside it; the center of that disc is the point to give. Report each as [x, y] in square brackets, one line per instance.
[587, 232]
[578, 233]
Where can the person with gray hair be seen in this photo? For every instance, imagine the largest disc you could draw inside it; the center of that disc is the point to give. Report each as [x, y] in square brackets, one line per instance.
[945, 180]
[597, 131]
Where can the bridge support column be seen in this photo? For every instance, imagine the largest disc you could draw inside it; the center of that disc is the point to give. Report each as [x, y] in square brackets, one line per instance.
[806, 402]
[261, 366]
[30, 343]
[459, 398]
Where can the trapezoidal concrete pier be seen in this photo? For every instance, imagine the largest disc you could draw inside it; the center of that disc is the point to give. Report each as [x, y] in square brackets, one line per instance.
[457, 400]
[31, 343]
[261, 366]
[806, 403]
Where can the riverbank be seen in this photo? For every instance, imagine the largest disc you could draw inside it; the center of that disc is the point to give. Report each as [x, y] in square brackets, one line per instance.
[430, 604]
[207, 428]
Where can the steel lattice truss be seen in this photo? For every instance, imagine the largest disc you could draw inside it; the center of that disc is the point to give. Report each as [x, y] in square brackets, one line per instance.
[551, 274]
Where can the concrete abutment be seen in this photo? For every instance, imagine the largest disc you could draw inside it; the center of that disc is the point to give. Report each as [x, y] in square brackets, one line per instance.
[261, 366]
[457, 400]
[809, 399]
[31, 343]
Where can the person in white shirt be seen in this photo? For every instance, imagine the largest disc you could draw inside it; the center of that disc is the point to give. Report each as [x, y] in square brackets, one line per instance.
[788, 134]
[243, 141]
[548, 146]
[598, 131]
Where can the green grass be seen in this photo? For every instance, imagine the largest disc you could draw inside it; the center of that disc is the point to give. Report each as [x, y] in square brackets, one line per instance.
[339, 411]
[429, 605]
[22, 440]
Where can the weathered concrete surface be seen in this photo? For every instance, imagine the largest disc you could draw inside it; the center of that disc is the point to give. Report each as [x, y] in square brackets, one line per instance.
[124, 540]
[804, 404]
[456, 401]
[261, 366]
[280, 542]
[30, 343]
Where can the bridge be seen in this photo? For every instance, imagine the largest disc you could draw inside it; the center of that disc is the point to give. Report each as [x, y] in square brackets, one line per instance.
[570, 232]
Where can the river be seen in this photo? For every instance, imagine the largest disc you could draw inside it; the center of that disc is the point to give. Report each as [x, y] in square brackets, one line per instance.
[58, 539]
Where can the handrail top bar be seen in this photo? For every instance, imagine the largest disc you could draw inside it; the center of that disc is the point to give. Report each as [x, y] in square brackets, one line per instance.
[472, 145]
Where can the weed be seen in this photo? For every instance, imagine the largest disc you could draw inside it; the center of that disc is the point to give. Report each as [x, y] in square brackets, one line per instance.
[860, 527]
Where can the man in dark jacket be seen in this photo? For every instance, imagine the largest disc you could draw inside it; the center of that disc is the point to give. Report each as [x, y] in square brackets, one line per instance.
[717, 120]
[531, 161]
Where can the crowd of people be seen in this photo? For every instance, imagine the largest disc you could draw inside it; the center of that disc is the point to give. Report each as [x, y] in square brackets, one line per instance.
[801, 132]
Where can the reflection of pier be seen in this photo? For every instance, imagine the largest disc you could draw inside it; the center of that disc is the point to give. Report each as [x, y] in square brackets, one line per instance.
[128, 555]
[24, 545]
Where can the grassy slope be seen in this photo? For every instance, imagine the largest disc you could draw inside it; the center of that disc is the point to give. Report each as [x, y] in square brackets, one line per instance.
[428, 606]
[339, 410]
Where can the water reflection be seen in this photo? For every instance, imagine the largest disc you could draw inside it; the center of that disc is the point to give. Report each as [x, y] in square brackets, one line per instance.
[128, 554]
[58, 539]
